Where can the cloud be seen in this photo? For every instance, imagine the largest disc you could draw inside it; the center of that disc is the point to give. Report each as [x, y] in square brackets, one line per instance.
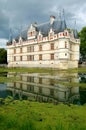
[17, 13]
[3, 43]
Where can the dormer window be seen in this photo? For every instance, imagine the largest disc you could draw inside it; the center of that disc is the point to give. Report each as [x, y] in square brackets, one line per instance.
[51, 33]
[14, 41]
[31, 32]
[20, 39]
[40, 36]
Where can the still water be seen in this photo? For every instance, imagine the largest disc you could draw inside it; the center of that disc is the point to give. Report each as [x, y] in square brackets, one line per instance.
[44, 87]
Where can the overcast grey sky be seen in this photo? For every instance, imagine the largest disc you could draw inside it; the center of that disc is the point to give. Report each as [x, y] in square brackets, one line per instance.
[17, 13]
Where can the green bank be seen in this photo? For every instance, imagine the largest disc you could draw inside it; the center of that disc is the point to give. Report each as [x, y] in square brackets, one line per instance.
[40, 70]
[26, 115]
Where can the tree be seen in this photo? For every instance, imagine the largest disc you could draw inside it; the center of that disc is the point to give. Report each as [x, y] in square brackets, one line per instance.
[3, 56]
[82, 35]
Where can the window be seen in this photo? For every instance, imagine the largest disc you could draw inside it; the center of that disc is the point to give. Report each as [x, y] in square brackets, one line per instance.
[21, 78]
[30, 33]
[20, 58]
[14, 51]
[52, 81]
[66, 34]
[71, 47]
[40, 89]
[20, 50]
[51, 34]
[30, 49]
[65, 44]
[39, 37]
[71, 57]
[40, 80]
[21, 86]
[30, 79]
[14, 84]
[30, 58]
[52, 46]
[52, 57]
[52, 92]
[40, 57]
[30, 88]
[40, 47]
[14, 58]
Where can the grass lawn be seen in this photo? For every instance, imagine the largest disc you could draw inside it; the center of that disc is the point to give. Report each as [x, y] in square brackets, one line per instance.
[26, 115]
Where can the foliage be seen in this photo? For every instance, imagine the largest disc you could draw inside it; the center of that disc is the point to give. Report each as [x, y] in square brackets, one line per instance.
[82, 35]
[26, 115]
[3, 56]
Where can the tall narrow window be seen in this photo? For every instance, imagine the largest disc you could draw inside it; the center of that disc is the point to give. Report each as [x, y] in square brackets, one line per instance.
[65, 44]
[52, 57]
[40, 89]
[71, 47]
[20, 58]
[40, 80]
[14, 51]
[32, 48]
[40, 38]
[14, 58]
[52, 46]
[40, 47]
[52, 92]
[28, 49]
[40, 57]
[20, 50]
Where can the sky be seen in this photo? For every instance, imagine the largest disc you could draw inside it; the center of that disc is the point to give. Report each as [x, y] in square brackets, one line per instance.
[16, 15]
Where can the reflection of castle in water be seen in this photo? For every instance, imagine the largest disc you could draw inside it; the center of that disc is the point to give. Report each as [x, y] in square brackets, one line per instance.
[44, 87]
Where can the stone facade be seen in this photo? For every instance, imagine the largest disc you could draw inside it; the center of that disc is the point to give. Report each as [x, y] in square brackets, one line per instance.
[51, 47]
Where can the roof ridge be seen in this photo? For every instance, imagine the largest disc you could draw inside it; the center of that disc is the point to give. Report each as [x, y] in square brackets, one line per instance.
[42, 23]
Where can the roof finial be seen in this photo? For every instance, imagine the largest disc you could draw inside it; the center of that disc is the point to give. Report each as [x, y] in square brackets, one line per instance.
[75, 25]
[20, 30]
[10, 35]
[59, 15]
[75, 30]
[63, 14]
[63, 25]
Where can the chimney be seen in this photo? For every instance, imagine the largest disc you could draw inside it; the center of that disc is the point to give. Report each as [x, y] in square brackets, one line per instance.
[52, 19]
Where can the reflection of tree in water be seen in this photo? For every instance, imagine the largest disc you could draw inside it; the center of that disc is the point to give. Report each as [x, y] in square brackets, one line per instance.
[82, 77]
[83, 95]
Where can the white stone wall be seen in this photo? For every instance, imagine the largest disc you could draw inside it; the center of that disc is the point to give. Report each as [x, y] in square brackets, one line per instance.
[66, 54]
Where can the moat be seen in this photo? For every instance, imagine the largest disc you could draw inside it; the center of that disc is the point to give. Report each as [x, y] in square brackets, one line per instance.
[45, 87]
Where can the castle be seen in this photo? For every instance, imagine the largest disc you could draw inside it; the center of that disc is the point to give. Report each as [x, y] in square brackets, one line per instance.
[50, 45]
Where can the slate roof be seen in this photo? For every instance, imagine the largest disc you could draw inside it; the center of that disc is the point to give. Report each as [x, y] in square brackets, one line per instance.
[57, 26]
[76, 34]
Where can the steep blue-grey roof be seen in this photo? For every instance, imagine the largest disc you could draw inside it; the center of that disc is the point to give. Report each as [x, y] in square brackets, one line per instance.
[76, 34]
[57, 26]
